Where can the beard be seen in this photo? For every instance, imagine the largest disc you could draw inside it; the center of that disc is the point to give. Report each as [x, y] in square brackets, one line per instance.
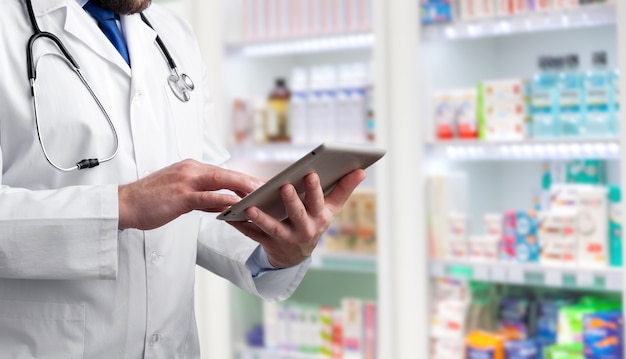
[124, 7]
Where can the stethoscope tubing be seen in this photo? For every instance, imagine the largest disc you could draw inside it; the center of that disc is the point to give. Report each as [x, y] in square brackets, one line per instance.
[180, 84]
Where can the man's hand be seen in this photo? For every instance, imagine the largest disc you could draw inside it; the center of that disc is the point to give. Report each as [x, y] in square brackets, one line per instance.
[289, 242]
[180, 188]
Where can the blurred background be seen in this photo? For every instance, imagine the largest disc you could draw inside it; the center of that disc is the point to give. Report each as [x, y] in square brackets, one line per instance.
[492, 228]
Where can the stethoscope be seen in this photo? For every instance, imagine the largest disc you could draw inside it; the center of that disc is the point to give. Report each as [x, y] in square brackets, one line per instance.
[180, 84]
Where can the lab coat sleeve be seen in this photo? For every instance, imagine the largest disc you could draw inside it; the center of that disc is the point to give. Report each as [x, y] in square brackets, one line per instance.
[224, 251]
[67, 233]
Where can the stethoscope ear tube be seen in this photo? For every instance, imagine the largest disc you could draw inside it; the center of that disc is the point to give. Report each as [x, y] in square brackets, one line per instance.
[180, 84]
[32, 71]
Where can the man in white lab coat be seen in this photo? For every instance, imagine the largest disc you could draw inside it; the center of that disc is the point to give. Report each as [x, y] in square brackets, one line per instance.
[99, 263]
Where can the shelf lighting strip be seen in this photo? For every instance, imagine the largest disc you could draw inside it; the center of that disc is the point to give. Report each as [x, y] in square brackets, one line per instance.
[544, 150]
[304, 45]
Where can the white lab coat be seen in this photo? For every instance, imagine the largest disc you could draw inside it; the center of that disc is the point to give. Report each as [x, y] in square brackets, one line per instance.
[71, 284]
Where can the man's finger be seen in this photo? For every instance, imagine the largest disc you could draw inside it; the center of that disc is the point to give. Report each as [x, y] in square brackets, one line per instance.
[206, 199]
[314, 198]
[218, 178]
[268, 224]
[339, 195]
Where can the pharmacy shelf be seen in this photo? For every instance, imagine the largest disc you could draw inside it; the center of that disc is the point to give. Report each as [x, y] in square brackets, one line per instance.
[302, 45]
[535, 149]
[272, 152]
[578, 17]
[269, 152]
[582, 278]
[244, 352]
[346, 262]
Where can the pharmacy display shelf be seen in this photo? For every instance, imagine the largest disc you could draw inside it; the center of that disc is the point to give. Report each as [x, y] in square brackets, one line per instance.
[273, 152]
[578, 17]
[245, 352]
[532, 149]
[302, 45]
[269, 152]
[345, 262]
[580, 278]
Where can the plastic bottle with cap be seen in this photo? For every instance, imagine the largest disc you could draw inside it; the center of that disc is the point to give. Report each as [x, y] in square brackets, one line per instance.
[543, 99]
[597, 95]
[570, 98]
[277, 125]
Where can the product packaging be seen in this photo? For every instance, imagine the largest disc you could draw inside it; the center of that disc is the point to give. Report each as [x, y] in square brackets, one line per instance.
[351, 103]
[548, 317]
[309, 340]
[527, 242]
[570, 327]
[447, 349]
[564, 351]
[502, 109]
[298, 106]
[326, 332]
[277, 126]
[558, 235]
[480, 344]
[586, 172]
[338, 334]
[457, 237]
[241, 120]
[616, 210]
[445, 112]
[465, 113]
[354, 228]
[603, 335]
[435, 11]
[321, 104]
[483, 248]
[590, 203]
[543, 5]
[343, 235]
[366, 221]
[564, 4]
[369, 330]
[445, 194]
[352, 310]
[521, 349]
[515, 314]
[476, 9]
[509, 237]
[249, 19]
[271, 328]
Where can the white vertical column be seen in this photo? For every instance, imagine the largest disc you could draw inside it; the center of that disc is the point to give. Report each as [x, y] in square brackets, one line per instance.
[212, 293]
[403, 255]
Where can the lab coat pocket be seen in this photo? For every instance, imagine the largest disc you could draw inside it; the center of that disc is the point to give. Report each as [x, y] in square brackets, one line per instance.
[41, 330]
[186, 118]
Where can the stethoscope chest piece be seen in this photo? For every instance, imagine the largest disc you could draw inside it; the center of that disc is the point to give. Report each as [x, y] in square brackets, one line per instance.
[181, 85]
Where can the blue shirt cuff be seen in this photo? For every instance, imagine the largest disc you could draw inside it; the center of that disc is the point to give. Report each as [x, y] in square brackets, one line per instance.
[258, 262]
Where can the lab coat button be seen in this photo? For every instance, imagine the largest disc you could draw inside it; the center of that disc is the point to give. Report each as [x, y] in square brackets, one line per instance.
[155, 257]
[146, 173]
[155, 338]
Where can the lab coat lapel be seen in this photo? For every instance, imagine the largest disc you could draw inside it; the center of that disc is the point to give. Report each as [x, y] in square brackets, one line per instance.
[84, 28]
[140, 39]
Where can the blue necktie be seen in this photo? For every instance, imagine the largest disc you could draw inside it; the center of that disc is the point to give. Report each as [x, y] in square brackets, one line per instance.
[108, 24]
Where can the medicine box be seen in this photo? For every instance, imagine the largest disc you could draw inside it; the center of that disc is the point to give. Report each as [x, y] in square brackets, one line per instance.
[558, 238]
[527, 241]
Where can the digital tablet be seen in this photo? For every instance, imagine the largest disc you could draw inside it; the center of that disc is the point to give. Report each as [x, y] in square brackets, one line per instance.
[330, 161]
